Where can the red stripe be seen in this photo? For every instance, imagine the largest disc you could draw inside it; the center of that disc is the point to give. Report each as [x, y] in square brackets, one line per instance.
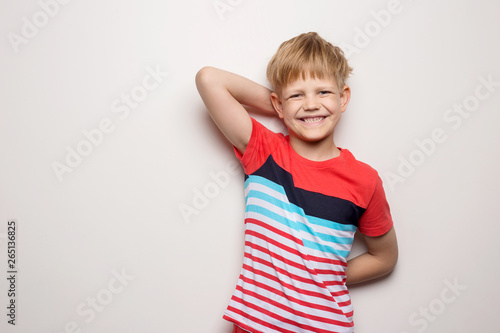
[286, 320]
[275, 230]
[255, 320]
[334, 283]
[281, 246]
[295, 312]
[282, 294]
[346, 303]
[238, 323]
[321, 284]
[313, 272]
[275, 255]
[327, 260]
[296, 252]
[289, 286]
[295, 278]
[280, 270]
[329, 271]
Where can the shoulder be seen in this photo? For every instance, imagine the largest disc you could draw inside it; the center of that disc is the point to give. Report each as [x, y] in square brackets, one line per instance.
[362, 178]
[361, 169]
[263, 142]
[264, 137]
[259, 128]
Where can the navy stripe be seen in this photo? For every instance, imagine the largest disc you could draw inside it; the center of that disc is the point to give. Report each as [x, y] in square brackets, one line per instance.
[313, 203]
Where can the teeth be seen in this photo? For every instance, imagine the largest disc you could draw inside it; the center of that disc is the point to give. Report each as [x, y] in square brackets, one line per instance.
[313, 120]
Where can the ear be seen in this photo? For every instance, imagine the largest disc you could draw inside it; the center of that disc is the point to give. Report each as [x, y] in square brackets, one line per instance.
[277, 104]
[345, 96]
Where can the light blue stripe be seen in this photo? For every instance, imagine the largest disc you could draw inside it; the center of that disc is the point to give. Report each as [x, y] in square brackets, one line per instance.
[269, 198]
[298, 226]
[266, 182]
[324, 248]
[328, 224]
[294, 208]
[272, 215]
[289, 207]
[292, 224]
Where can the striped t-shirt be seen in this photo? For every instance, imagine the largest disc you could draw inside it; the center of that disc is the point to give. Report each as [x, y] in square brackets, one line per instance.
[300, 220]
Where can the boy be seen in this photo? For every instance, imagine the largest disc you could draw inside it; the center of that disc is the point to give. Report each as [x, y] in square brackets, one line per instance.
[305, 197]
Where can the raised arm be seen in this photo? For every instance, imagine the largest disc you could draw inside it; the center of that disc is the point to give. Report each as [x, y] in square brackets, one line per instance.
[379, 260]
[224, 95]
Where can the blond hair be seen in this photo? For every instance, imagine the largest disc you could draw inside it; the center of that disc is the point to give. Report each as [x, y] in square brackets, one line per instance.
[305, 54]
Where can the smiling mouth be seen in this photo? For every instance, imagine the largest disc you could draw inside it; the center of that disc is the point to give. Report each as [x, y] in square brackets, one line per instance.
[312, 120]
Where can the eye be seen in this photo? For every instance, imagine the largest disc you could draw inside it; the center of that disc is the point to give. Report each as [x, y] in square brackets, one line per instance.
[294, 96]
[325, 92]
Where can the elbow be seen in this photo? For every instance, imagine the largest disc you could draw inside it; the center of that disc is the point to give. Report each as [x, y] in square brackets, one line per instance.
[204, 76]
[387, 261]
[391, 253]
[391, 261]
[392, 266]
[386, 266]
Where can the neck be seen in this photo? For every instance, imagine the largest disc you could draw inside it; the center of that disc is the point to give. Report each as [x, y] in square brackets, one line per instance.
[315, 151]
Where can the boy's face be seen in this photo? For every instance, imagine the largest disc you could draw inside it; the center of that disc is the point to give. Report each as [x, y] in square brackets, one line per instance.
[311, 107]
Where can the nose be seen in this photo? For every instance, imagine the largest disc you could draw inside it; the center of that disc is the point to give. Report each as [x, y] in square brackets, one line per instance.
[311, 103]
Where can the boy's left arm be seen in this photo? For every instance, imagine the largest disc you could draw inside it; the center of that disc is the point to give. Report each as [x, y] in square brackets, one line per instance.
[379, 260]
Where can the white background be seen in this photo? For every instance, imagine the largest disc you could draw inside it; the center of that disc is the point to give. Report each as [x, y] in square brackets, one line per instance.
[119, 209]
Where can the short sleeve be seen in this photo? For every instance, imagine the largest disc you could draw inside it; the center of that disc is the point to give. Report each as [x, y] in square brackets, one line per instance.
[377, 219]
[261, 144]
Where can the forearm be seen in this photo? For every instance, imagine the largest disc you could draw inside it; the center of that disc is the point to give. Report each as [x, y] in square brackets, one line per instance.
[379, 260]
[243, 90]
[367, 267]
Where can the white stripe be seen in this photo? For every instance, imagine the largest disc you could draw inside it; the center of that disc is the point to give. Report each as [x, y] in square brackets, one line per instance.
[283, 300]
[264, 189]
[287, 255]
[284, 314]
[297, 220]
[279, 264]
[239, 318]
[246, 321]
[328, 291]
[270, 234]
[287, 280]
[282, 197]
[302, 234]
